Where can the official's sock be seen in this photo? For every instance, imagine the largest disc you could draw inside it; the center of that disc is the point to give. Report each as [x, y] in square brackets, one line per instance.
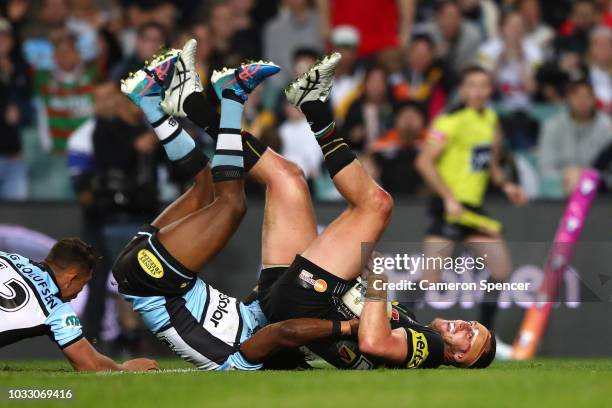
[488, 307]
[201, 111]
[180, 148]
[228, 163]
[336, 152]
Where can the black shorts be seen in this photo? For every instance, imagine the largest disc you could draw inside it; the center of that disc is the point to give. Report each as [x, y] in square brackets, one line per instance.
[145, 268]
[304, 290]
[439, 227]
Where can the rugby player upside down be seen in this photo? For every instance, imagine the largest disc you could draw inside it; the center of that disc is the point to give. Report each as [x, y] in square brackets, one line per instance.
[157, 271]
[180, 308]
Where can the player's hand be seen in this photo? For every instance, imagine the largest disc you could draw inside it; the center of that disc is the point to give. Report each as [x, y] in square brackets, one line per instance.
[369, 267]
[453, 207]
[140, 364]
[515, 194]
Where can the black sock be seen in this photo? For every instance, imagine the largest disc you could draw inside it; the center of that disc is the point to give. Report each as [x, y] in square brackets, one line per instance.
[201, 111]
[488, 307]
[335, 150]
[252, 150]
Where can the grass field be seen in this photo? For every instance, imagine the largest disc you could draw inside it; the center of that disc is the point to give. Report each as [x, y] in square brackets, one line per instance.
[541, 383]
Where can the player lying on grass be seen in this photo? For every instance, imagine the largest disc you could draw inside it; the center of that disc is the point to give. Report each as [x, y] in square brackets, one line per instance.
[157, 270]
[34, 301]
[305, 288]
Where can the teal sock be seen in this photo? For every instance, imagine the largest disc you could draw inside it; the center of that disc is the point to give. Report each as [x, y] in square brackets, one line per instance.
[150, 106]
[228, 162]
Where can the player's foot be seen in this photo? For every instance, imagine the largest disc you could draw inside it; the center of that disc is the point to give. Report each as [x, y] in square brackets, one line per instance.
[152, 79]
[314, 85]
[242, 80]
[185, 81]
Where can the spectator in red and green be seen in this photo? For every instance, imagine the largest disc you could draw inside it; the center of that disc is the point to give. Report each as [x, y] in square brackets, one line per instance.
[64, 95]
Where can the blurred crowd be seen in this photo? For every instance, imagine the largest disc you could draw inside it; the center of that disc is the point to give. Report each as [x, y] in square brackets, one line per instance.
[66, 132]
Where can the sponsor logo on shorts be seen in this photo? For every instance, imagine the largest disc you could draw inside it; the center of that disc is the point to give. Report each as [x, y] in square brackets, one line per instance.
[150, 264]
[362, 364]
[346, 354]
[319, 284]
[221, 309]
[420, 349]
[394, 315]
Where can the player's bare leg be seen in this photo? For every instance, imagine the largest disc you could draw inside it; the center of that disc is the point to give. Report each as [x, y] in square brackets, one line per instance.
[339, 248]
[197, 237]
[499, 264]
[435, 247]
[289, 223]
[495, 251]
[199, 195]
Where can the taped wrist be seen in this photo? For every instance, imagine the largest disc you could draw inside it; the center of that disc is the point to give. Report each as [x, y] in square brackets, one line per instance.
[376, 290]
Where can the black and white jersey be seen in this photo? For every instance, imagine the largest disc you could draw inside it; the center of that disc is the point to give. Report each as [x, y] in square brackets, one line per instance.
[30, 304]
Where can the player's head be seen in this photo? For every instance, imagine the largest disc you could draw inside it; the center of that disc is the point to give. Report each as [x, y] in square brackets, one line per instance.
[71, 261]
[476, 87]
[466, 344]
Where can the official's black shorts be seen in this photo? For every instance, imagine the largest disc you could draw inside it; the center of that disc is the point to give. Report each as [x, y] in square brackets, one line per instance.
[439, 227]
[304, 290]
[145, 268]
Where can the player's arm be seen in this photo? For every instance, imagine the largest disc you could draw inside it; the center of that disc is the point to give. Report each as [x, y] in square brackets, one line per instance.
[426, 166]
[293, 333]
[83, 357]
[513, 191]
[65, 329]
[497, 175]
[376, 337]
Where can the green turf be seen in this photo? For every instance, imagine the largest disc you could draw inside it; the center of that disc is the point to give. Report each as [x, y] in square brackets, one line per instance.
[541, 383]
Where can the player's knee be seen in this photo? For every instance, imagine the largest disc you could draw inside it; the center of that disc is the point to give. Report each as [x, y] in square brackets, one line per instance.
[380, 203]
[289, 172]
[501, 273]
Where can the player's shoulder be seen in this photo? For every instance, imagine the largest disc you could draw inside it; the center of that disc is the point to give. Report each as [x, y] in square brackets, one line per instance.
[449, 120]
[425, 347]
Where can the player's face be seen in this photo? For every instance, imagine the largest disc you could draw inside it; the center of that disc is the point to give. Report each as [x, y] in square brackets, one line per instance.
[75, 285]
[465, 340]
[457, 334]
[476, 90]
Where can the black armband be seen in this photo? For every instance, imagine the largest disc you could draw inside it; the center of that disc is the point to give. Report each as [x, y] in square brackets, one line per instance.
[336, 329]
